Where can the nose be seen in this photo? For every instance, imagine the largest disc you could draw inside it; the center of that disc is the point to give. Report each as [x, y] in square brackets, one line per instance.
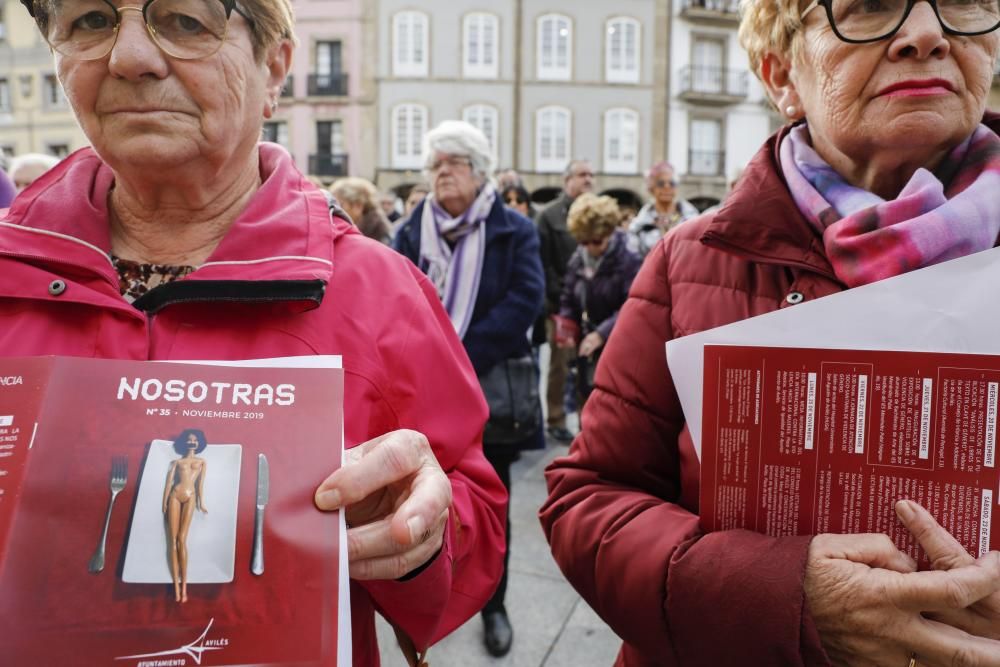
[134, 54]
[921, 36]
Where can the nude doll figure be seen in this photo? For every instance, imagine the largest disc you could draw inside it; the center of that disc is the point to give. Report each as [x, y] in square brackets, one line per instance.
[185, 490]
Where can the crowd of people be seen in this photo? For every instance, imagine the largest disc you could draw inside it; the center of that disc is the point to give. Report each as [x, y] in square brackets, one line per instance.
[460, 286]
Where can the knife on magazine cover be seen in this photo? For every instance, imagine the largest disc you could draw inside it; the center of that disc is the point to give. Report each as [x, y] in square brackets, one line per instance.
[263, 489]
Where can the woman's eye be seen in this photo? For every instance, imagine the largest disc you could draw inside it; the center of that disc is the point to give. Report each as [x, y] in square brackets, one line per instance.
[186, 24]
[94, 21]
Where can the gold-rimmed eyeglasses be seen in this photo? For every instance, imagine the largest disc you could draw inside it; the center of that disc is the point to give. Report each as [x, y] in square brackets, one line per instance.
[88, 29]
[863, 21]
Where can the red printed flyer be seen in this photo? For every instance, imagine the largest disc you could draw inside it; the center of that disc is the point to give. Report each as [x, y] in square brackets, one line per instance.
[807, 441]
[161, 514]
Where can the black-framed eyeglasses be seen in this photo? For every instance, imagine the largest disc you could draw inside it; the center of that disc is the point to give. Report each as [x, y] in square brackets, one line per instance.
[863, 21]
[88, 29]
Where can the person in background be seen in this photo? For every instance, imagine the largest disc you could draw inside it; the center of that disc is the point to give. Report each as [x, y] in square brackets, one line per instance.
[389, 203]
[358, 199]
[507, 178]
[414, 197]
[483, 259]
[662, 213]
[7, 190]
[598, 278]
[179, 210]
[889, 163]
[518, 199]
[557, 246]
[26, 169]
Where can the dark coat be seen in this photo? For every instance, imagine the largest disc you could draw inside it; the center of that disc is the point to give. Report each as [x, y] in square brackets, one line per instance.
[510, 291]
[557, 246]
[594, 303]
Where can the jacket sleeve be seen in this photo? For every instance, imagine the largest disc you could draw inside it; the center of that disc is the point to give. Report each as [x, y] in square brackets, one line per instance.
[569, 305]
[553, 281]
[637, 556]
[629, 268]
[463, 576]
[502, 331]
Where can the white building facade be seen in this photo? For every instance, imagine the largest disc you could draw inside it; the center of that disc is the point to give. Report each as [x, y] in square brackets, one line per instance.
[547, 81]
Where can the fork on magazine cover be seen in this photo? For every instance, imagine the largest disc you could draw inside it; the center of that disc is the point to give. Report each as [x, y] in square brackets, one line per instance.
[119, 475]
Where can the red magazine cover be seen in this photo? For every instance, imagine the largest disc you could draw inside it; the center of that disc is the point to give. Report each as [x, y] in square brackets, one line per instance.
[808, 441]
[161, 514]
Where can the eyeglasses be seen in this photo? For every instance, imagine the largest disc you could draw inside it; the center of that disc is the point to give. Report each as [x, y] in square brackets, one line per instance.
[862, 21]
[452, 161]
[593, 242]
[662, 184]
[88, 29]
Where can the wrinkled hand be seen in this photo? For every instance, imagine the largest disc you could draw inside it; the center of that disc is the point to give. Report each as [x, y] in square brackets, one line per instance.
[981, 618]
[866, 599]
[590, 344]
[396, 497]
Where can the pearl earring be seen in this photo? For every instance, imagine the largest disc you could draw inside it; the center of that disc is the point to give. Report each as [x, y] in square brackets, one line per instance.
[274, 106]
[791, 111]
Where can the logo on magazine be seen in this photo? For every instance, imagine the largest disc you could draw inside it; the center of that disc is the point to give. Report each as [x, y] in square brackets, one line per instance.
[11, 380]
[194, 650]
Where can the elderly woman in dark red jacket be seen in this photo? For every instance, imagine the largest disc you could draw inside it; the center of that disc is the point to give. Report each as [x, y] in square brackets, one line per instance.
[889, 165]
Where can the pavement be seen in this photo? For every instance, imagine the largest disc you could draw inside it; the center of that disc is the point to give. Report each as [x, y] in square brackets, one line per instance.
[553, 626]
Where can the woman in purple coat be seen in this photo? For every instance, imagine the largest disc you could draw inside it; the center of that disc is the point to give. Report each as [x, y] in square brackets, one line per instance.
[598, 278]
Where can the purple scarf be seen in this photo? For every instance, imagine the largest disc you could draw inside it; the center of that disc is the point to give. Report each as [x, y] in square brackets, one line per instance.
[936, 217]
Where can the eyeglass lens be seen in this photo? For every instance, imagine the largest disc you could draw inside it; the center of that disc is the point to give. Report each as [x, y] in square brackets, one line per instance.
[87, 29]
[871, 19]
[451, 161]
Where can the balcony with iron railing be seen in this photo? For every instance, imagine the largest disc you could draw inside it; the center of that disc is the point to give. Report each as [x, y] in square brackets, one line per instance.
[328, 85]
[718, 12]
[328, 164]
[706, 163]
[713, 85]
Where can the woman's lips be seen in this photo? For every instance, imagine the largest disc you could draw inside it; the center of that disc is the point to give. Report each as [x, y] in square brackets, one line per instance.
[917, 88]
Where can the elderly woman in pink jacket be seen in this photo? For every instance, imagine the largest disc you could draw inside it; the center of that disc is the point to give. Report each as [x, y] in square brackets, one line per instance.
[180, 236]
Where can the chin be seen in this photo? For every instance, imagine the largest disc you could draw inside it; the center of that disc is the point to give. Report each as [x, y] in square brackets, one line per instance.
[149, 150]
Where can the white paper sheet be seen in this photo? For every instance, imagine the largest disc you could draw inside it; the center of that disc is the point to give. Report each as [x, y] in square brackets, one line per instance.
[950, 307]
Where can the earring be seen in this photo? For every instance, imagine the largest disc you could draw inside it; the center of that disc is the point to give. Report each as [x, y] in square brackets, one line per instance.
[274, 106]
[791, 111]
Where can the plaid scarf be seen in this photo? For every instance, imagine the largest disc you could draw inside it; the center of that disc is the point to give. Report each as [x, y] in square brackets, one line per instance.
[936, 217]
[452, 251]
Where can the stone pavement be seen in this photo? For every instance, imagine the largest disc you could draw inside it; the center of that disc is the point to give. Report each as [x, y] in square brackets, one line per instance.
[553, 626]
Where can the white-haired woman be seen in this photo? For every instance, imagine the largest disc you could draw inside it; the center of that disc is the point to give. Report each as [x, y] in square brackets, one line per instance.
[889, 164]
[483, 259]
[27, 168]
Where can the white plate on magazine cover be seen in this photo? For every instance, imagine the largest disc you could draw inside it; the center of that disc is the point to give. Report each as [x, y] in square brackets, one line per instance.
[212, 537]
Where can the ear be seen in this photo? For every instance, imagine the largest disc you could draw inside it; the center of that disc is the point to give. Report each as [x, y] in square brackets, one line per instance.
[277, 64]
[776, 75]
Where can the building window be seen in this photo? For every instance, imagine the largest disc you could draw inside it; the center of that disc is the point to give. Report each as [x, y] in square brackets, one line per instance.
[5, 101]
[3, 24]
[621, 141]
[410, 43]
[58, 150]
[554, 47]
[621, 53]
[485, 118]
[409, 124]
[276, 132]
[707, 66]
[481, 37]
[552, 139]
[329, 77]
[53, 97]
[330, 158]
[706, 156]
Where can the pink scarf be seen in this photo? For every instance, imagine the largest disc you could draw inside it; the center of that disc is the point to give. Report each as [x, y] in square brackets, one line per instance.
[936, 217]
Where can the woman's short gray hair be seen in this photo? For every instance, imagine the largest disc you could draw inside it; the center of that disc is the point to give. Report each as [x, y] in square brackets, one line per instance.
[456, 137]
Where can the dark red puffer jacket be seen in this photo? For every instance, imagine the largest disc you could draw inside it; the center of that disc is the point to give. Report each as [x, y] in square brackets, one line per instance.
[622, 515]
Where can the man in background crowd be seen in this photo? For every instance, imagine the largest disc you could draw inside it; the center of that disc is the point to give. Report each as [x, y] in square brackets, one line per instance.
[388, 202]
[557, 246]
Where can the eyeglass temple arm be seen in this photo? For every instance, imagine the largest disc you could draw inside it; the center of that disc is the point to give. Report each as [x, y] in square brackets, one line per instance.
[30, 5]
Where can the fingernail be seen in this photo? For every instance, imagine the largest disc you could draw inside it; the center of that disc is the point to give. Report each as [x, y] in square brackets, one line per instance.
[329, 500]
[416, 526]
[904, 510]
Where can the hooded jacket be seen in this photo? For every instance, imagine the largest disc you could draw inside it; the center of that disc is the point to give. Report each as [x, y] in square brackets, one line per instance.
[622, 512]
[287, 280]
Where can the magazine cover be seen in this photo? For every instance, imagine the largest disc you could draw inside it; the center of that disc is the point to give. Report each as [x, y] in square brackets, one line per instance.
[807, 441]
[161, 514]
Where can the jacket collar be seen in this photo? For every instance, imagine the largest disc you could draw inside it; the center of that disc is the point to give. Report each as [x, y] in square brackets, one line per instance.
[285, 233]
[761, 222]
